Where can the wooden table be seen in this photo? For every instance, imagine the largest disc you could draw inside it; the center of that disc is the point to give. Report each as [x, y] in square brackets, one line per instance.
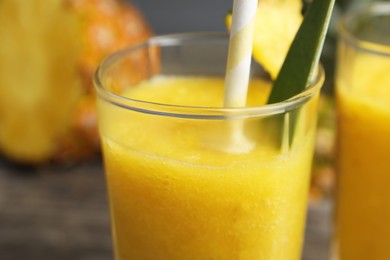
[57, 213]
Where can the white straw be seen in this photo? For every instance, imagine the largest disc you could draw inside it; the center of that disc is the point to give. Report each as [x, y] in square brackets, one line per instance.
[240, 52]
[238, 70]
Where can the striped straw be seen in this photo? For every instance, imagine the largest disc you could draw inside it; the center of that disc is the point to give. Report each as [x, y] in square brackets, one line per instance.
[238, 70]
[240, 52]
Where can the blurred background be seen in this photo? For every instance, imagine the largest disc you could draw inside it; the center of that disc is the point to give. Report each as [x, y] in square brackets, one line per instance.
[59, 211]
[171, 16]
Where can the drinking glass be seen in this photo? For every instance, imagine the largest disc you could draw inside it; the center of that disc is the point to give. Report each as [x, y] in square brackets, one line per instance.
[362, 217]
[201, 181]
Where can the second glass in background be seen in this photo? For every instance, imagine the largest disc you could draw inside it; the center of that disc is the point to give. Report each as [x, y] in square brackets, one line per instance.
[362, 218]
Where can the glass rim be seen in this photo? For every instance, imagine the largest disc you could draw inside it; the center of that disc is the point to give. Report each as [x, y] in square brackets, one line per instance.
[196, 112]
[348, 36]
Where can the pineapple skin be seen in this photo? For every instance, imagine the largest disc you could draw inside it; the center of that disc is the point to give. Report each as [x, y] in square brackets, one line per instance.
[49, 51]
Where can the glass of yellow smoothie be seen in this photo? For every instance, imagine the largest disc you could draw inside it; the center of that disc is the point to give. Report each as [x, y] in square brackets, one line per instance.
[180, 185]
[362, 219]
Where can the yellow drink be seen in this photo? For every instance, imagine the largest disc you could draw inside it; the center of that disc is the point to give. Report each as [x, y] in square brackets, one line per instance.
[363, 103]
[174, 197]
[177, 190]
[363, 214]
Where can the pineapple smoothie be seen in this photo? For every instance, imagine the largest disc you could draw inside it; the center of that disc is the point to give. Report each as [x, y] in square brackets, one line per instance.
[362, 227]
[363, 212]
[180, 186]
[175, 195]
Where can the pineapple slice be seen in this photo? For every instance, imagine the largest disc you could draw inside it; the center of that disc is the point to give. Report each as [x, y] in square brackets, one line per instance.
[48, 53]
[276, 24]
[38, 67]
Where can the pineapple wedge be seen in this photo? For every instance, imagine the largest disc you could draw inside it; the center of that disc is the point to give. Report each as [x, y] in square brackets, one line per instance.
[48, 53]
[276, 23]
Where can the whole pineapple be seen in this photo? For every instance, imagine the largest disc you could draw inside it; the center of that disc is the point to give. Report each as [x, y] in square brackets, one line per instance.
[49, 50]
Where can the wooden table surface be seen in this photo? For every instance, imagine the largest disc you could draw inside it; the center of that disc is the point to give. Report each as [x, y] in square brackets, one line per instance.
[61, 213]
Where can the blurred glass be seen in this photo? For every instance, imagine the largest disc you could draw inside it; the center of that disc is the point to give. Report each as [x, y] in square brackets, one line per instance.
[362, 219]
